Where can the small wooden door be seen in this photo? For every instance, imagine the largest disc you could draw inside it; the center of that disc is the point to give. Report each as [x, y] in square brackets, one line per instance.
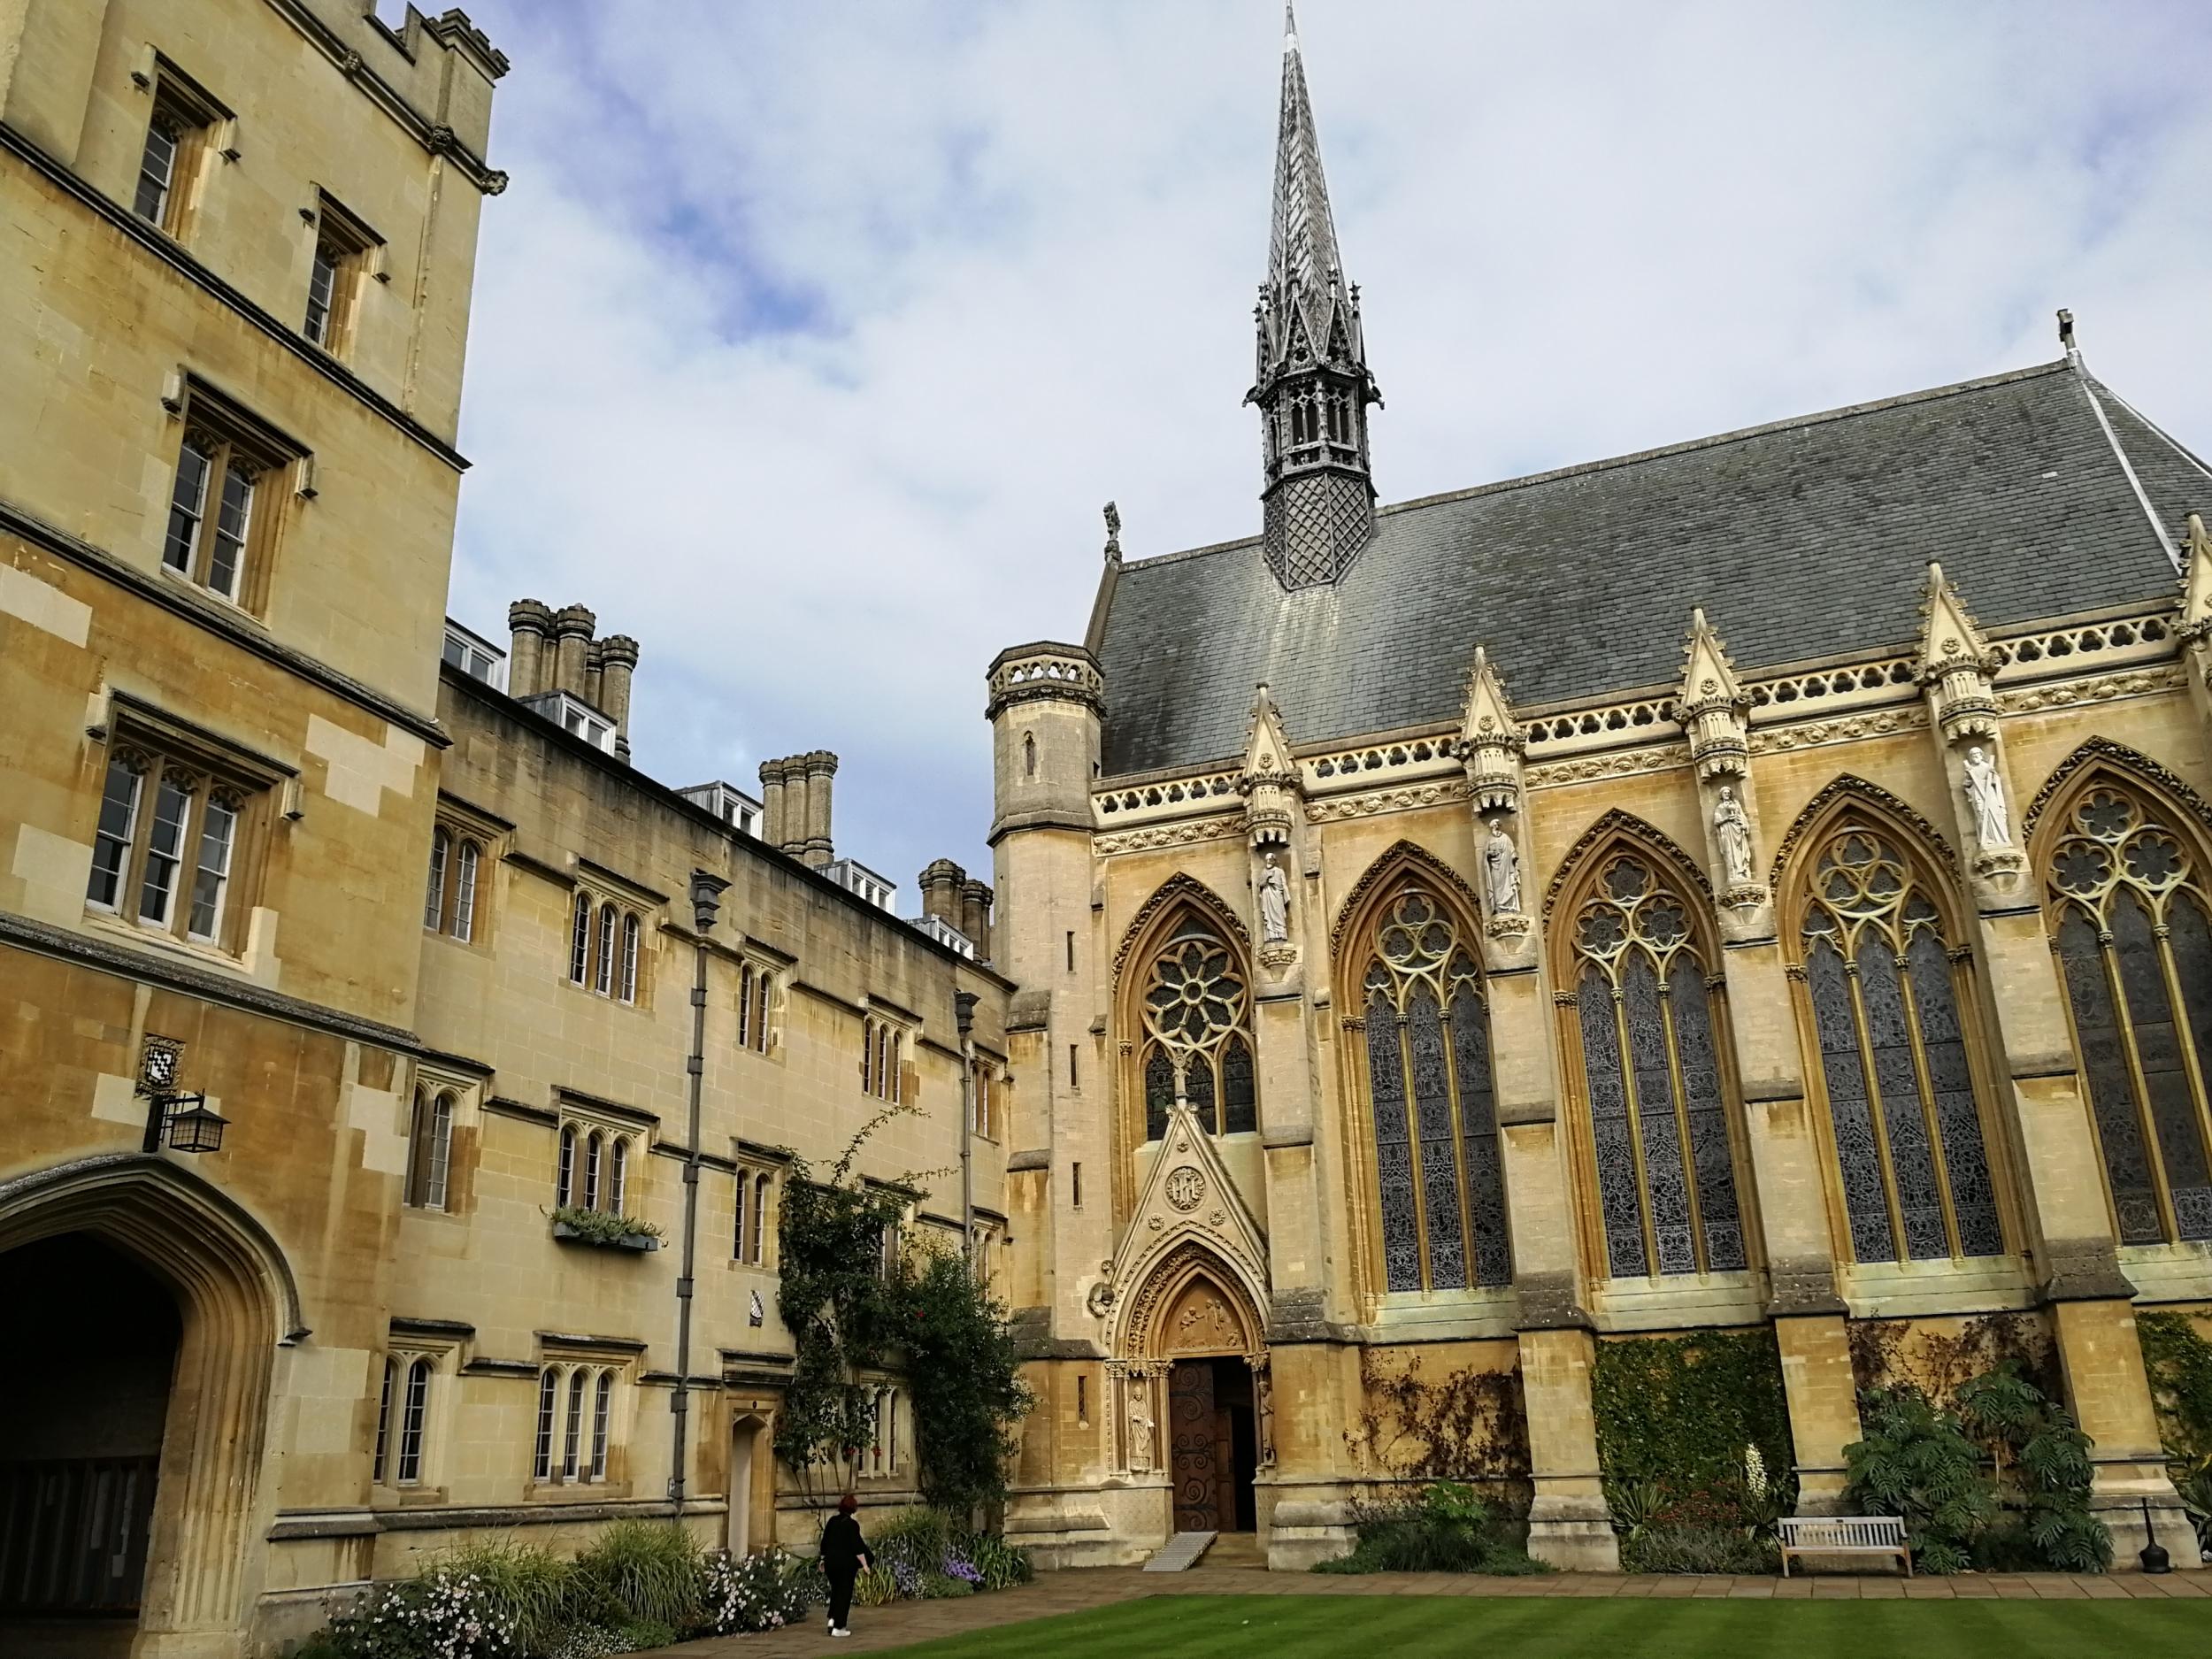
[1192, 1460]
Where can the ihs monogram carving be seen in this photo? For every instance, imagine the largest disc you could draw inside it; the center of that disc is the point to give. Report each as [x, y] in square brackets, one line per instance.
[1186, 1188]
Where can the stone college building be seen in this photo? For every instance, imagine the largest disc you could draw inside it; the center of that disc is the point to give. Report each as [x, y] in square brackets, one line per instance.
[1762, 884]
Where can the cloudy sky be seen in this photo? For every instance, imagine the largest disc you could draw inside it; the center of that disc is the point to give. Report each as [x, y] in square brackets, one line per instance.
[811, 338]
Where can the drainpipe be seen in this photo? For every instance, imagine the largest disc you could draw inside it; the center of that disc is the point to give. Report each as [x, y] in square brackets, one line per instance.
[963, 1014]
[706, 904]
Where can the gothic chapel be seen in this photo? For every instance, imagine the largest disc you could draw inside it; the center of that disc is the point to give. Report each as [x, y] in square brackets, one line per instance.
[1763, 883]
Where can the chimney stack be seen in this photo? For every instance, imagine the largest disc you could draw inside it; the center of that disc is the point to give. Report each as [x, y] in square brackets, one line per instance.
[571, 651]
[531, 624]
[975, 916]
[821, 767]
[941, 882]
[618, 661]
[796, 801]
[773, 808]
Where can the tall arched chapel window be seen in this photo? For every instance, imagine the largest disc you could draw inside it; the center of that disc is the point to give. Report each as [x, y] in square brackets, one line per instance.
[2129, 914]
[1658, 1122]
[1441, 1188]
[1885, 998]
[1195, 1012]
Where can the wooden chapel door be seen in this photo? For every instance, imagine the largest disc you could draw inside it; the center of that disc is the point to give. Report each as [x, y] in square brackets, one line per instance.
[1192, 1461]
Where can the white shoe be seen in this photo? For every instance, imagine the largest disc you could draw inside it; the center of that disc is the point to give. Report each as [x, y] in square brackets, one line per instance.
[840, 1631]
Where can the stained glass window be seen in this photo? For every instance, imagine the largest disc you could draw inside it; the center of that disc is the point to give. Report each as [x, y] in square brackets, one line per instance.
[1666, 1173]
[1195, 1009]
[1440, 1186]
[2135, 950]
[1901, 1093]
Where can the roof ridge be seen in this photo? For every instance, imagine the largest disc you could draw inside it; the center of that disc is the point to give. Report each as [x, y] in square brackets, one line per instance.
[2089, 389]
[1633, 458]
[1687, 446]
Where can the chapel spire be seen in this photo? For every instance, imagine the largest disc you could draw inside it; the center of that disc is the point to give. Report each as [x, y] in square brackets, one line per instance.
[1311, 382]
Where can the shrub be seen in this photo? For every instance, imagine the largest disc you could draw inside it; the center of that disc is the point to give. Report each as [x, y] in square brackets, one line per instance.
[1000, 1564]
[643, 1635]
[529, 1587]
[588, 1641]
[2002, 1480]
[1675, 1547]
[1448, 1528]
[762, 1592]
[876, 1586]
[640, 1572]
[442, 1614]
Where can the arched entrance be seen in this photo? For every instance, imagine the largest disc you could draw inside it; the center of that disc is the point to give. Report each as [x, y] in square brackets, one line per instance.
[1197, 1368]
[179, 1298]
[752, 1464]
[81, 1433]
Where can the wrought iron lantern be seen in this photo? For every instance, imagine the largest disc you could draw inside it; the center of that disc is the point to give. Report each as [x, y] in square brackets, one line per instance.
[196, 1128]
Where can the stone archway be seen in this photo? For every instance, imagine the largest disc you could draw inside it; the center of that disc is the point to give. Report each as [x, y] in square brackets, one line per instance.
[1193, 1401]
[235, 1301]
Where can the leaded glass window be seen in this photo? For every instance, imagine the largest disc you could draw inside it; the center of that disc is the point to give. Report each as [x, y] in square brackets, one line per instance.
[1196, 1044]
[1666, 1173]
[1885, 998]
[2135, 947]
[1439, 1185]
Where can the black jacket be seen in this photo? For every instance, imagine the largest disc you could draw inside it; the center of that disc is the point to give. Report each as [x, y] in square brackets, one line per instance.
[842, 1545]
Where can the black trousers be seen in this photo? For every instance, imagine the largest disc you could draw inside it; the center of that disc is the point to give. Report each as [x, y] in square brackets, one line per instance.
[841, 1592]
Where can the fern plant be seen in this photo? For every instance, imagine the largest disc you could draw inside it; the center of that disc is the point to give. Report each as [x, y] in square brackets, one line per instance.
[1916, 1464]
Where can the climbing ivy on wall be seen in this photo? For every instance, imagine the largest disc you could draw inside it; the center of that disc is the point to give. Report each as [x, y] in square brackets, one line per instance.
[1680, 1411]
[2179, 1360]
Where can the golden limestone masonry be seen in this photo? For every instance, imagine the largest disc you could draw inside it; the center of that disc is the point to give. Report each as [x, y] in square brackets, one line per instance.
[1761, 886]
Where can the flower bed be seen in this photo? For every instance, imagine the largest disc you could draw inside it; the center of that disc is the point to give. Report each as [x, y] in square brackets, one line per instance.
[641, 1585]
[918, 1556]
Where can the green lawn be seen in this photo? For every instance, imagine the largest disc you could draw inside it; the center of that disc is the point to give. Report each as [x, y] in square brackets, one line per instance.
[1430, 1626]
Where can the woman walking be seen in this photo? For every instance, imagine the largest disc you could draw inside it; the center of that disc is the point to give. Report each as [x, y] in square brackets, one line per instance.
[844, 1552]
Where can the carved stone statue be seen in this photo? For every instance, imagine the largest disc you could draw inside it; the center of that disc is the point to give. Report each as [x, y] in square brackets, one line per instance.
[1265, 1385]
[1731, 827]
[1986, 793]
[1501, 871]
[1140, 1427]
[1274, 904]
[1113, 531]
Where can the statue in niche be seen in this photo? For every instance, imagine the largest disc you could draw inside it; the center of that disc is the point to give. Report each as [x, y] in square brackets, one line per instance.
[1501, 871]
[1274, 904]
[1731, 827]
[1986, 793]
[1265, 1383]
[1140, 1427]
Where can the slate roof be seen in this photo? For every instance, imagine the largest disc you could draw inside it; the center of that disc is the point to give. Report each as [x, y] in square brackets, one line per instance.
[1803, 539]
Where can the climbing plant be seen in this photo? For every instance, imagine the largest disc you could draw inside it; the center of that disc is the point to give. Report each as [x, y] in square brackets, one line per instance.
[1682, 1410]
[856, 1313]
[1465, 1425]
[2179, 1360]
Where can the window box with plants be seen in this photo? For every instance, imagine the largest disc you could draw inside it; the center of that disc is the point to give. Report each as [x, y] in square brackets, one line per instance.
[573, 1223]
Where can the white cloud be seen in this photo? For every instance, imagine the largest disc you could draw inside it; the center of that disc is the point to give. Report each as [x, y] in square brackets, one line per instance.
[810, 340]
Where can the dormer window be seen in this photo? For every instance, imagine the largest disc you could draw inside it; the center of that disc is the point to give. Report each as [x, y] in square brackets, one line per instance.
[476, 657]
[575, 717]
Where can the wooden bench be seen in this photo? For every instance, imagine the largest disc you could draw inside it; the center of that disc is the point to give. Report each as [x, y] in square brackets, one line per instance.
[1843, 1535]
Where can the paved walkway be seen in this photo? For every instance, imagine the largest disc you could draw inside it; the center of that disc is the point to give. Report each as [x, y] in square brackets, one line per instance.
[878, 1628]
